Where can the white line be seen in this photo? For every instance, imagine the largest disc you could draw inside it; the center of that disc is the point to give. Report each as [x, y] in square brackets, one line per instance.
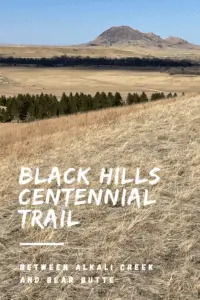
[41, 244]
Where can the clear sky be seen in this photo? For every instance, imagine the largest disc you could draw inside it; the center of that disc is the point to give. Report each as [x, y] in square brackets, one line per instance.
[66, 22]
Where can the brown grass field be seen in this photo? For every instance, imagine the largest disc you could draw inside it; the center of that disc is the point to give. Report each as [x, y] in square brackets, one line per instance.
[99, 51]
[56, 81]
[162, 134]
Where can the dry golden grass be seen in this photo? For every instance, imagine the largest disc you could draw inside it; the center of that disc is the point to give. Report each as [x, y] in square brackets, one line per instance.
[25, 80]
[98, 51]
[163, 134]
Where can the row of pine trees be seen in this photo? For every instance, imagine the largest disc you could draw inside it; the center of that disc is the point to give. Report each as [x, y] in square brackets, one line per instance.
[26, 108]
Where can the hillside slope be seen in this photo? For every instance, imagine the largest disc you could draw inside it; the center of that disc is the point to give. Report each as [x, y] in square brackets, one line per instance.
[164, 134]
[176, 41]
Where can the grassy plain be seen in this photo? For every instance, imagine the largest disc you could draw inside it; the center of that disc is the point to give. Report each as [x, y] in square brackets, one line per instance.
[56, 81]
[99, 51]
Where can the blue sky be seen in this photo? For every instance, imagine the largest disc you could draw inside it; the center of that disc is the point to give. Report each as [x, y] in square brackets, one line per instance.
[65, 22]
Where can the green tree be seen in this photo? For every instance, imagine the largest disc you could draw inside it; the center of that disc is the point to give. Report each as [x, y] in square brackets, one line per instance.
[136, 98]
[117, 99]
[143, 97]
[111, 99]
[13, 108]
[169, 95]
[64, 105]
[2, 101]
[90, 102]
[130, 99]
[4, 117]
[97, 101]
[73, 103]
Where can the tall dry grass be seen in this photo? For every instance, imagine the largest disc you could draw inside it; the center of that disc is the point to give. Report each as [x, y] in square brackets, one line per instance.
[163, 134]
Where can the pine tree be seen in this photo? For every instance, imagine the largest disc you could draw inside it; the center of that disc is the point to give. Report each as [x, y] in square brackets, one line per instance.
[111, 99]
[31, 112]
[41, 113]
[143, 97]
[2, 101]
[53, 106]
[105, 103]
[64, 105]
[162, 95]
[13, 108]
[97, 100]
[83, 105]
[90, 102]
[73, 104]
[130, 99]
[117, 99]
[136, 98]
[153, 97]
[4, 117]
[24, 104]
[169, 95]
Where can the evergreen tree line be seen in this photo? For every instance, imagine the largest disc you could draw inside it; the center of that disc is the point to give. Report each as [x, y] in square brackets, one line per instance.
[25, 108]
[135, 98]
[70, 61]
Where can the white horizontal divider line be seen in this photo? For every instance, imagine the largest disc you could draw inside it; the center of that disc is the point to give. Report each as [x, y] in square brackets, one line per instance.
[42, 244]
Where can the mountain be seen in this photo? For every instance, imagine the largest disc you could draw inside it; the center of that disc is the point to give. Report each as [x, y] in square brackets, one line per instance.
[125, 35]
[178, 42]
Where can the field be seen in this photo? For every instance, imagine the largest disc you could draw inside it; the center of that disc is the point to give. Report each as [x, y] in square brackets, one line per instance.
[99, 51]
[162, 134]
[56, 81]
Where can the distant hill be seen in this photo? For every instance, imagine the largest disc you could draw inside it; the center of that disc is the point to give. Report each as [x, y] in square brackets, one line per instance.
[176, 41]
[125, 35]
